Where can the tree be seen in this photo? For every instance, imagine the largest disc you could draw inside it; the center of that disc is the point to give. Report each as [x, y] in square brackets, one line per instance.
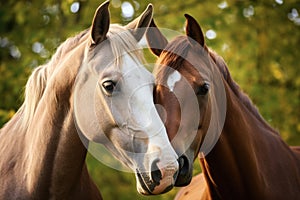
[258, 39]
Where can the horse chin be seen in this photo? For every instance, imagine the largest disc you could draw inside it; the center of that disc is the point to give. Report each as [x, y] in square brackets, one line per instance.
[146, 186]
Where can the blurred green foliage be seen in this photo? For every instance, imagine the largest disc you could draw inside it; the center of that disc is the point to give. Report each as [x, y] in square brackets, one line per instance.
[258, 39]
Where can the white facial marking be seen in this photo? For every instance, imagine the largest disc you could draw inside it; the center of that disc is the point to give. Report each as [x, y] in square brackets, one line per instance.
[173, 79]
[138, 82]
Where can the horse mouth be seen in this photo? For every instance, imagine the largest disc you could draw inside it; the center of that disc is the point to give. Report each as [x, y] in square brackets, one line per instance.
[147, 184]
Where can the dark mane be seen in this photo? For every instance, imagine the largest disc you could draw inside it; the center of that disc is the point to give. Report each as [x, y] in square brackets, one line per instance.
[220, 63]
[244, 98]
[174, 55]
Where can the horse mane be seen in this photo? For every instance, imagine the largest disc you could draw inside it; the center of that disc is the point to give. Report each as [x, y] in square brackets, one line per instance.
[122, 42]
[37, 81]
[243, 97]
[174, 56]
[220, 63]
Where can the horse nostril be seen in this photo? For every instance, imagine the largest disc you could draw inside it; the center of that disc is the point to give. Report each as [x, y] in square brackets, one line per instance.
[183, 165]
[184, 176]
[181, 162]
[155, 172]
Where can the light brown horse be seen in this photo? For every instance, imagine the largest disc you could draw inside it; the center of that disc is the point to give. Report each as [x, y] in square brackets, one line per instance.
[241, 156]
[94, 88]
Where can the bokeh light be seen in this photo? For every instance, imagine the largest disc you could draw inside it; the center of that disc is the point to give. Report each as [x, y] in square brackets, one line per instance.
[127, 10]
[75, 7]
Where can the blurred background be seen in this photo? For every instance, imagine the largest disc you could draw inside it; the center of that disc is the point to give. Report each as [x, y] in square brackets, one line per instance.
[259, 40]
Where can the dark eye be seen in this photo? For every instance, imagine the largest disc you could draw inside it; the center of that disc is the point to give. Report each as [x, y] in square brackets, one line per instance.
[203, 89]
[109, 86]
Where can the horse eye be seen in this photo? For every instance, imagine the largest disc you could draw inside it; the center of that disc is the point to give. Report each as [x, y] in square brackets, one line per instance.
[203, 89]
[109, 86]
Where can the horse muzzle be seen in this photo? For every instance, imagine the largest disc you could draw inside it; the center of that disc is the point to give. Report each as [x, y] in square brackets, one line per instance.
[158, 180]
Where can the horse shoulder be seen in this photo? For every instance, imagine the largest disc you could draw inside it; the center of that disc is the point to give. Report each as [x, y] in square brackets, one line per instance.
[196, 190]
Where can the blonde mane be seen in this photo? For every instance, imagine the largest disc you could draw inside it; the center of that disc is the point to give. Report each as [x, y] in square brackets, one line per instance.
[122, 42]
[37, 81]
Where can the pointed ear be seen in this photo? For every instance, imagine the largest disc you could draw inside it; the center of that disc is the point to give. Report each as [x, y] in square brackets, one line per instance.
[100, 24]
[156, 40]
[139, 25]
[193, 30]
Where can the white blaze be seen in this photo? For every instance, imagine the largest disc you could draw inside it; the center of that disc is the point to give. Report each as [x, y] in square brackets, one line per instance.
[173, 79]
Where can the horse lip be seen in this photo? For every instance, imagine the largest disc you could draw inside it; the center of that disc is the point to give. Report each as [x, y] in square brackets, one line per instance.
[143, 184]
[142, 176]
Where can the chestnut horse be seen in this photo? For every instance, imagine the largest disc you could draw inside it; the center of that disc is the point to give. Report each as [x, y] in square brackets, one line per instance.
[241, 156]
[94, 88]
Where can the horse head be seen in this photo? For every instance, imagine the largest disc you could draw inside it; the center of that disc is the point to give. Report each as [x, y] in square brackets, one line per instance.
[186, 83]
[113, 102]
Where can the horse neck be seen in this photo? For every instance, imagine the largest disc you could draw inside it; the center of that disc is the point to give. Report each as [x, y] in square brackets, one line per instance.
[242, 161]
[53, 149]
[55, 158]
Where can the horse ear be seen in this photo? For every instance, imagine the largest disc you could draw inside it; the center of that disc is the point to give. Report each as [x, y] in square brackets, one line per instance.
[156, 40]
[100, 24]
[193, 30]
[139, 25]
